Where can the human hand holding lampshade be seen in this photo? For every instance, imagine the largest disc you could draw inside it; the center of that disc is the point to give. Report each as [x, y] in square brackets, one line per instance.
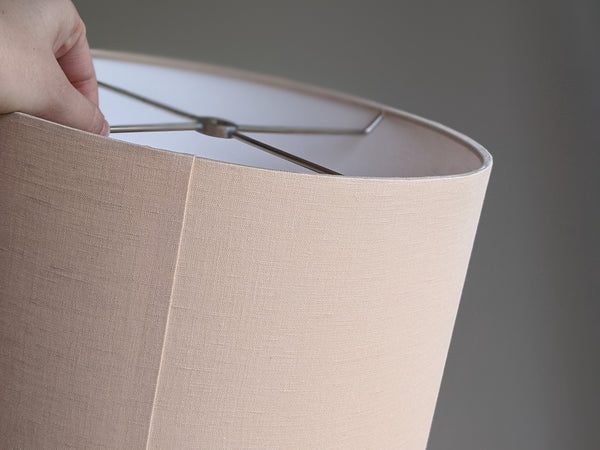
[46, 68]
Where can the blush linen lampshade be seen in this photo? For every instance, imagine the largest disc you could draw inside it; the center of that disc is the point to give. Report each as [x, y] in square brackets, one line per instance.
[175, 290]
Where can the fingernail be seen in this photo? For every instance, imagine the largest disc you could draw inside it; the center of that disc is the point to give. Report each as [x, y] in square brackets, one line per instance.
[105, 129]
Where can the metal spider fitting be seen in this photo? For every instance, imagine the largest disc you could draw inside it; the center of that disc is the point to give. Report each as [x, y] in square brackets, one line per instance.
[224, 129]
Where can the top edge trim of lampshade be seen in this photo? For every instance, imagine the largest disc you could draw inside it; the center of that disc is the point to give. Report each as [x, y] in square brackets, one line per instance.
[479, 150]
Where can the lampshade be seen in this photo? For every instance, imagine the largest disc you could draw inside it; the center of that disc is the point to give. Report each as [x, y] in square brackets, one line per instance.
[173, 289]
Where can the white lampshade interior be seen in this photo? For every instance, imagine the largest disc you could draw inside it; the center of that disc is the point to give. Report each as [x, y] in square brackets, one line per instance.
[402, 145]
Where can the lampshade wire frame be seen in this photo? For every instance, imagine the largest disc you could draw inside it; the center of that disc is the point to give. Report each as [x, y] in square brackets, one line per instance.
[146, 100]
[198, 126]
[216, 127]
[285, 155]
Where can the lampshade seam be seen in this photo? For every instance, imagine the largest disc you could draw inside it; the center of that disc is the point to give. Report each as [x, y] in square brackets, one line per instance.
[164, 338]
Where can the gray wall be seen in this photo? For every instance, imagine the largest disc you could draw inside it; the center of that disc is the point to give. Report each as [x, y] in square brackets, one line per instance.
[521, 77]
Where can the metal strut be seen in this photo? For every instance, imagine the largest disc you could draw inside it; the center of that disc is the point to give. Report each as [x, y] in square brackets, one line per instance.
[221, 128]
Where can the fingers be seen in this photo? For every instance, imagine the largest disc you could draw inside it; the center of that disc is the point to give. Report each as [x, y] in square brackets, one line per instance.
[45, 64]
[75, 59]
[70, 107]
[78, 102]
[41, 88]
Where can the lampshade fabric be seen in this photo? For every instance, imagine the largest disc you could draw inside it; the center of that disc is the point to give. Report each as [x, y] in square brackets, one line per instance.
[156, 298]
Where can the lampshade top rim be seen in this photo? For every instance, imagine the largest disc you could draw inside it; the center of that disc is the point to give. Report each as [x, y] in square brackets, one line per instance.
[474, 147]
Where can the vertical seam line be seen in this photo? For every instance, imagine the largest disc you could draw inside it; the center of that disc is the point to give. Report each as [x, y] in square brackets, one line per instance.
[162, 352]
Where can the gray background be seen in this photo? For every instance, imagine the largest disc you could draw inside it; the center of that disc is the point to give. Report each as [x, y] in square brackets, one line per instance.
[522, 78]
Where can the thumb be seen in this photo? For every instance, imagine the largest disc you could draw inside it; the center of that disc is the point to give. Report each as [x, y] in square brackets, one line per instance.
[70, 107]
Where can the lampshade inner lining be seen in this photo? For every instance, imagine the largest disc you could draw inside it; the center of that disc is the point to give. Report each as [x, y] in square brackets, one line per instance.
[399, 146]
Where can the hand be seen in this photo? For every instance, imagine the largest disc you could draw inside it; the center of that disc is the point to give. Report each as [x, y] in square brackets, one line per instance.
[45, 64]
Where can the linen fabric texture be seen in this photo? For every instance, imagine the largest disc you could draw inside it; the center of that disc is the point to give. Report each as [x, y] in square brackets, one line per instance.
[156, 299]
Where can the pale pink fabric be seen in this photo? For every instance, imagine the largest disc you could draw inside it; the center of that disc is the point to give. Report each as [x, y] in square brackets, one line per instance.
[155, 299]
